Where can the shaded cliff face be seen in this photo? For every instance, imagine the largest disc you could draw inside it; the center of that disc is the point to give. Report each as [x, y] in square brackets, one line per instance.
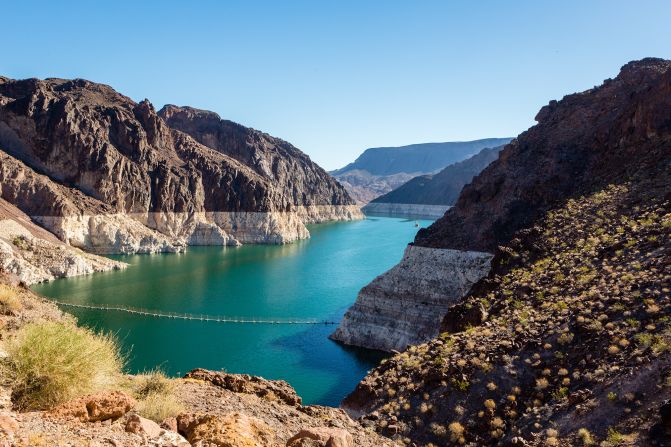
[444, 187]
[581, 143]
[303, 181]
[109, 175]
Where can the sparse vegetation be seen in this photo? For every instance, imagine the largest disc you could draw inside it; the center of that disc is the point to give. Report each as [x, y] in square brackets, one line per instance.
[10, 302]
[53, 362]
[156, 397]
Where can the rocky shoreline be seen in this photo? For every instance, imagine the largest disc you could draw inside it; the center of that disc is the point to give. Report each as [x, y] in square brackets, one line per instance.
[405, 210]
[405, 305]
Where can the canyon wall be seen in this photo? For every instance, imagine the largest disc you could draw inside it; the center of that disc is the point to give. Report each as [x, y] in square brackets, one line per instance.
[405, 209]
[109, 175]
[581, 144]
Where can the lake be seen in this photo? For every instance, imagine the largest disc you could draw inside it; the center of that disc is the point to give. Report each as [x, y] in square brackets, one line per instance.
[312, 279]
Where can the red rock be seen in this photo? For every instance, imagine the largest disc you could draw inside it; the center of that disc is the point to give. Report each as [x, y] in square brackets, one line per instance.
[100, 406]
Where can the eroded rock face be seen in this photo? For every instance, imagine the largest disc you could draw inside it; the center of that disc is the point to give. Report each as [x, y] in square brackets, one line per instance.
[405, 305]
[108, 175]
[96, 407]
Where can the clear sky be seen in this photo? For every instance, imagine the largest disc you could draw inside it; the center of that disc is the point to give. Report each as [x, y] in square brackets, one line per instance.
[335, 77]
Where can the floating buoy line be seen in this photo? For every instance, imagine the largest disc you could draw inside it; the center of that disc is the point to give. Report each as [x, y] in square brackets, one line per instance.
[192, 317]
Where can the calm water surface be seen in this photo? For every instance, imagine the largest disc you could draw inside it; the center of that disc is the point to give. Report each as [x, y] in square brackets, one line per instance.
[317, 278]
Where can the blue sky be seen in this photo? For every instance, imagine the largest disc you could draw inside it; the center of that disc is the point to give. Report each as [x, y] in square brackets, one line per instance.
[335, 77]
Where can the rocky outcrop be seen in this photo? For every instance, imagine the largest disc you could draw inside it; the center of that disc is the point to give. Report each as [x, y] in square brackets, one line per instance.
[580, 144]
[108, 175]
[405, 210]
[444, 187]
[377, 171]
[406, 304]
[242, 383]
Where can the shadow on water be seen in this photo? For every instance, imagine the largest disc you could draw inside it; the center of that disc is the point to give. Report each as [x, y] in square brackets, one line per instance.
[348, 364]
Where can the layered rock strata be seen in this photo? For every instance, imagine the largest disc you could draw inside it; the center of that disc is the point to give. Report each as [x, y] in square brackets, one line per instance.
[33, 254]
[109, 175]
[406, 304]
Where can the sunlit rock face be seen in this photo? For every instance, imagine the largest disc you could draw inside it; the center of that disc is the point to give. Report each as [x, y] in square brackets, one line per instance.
[109, 175]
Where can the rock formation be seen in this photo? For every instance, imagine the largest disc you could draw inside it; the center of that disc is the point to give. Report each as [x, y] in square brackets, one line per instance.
[108, 175]
[580, 144]
[379, 170]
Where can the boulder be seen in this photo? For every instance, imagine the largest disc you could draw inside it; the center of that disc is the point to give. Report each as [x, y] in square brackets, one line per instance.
[230, 430]
[100, 406]
[169, 423]
[324, 436]
[8, 426]
[143, 427]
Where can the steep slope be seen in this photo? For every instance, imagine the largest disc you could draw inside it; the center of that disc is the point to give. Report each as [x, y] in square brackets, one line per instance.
[379, 170]
[444, 187]
[83, 160]
[580, 144]
[566, 342]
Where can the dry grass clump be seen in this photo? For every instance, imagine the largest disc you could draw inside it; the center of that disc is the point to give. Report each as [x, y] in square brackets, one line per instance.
[50, 363]
[156, 396]
[10, 303]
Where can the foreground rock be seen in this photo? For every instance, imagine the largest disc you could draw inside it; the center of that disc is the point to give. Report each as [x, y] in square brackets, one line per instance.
[242, 383]
[96, 407]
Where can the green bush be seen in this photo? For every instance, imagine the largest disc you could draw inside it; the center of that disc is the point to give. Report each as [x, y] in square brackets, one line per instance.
[51, 363]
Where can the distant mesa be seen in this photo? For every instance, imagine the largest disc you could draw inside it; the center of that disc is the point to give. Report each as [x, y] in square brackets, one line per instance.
[432, 194]
[378, 171]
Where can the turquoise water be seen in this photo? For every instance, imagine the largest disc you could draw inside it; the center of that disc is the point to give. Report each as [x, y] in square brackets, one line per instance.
[317, 278]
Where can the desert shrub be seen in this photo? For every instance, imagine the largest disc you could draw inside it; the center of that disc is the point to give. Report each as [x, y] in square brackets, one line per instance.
[53, 362]
[157, 407]
[156, 396]
[9, 300]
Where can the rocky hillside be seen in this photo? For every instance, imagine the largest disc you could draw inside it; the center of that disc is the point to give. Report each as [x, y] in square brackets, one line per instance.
[581, 144]
[379, 170]
[109, 175]
[444, 187]
[566, 340]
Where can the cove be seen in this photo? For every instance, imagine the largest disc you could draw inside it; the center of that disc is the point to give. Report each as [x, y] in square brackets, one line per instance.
[318, 278]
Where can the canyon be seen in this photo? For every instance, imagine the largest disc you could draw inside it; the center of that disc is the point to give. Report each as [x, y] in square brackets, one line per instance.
[105, 174]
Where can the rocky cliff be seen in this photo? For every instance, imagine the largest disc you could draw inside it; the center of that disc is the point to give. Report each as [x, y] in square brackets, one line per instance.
[379, 170]
[444, 187]
[109, 175]
[581, 144]
[566, 340]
